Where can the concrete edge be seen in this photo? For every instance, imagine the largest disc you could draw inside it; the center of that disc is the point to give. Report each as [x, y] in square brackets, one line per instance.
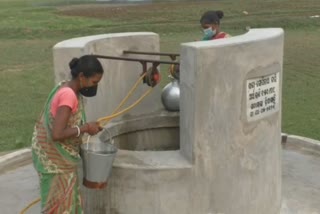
[15, 159]
[21, 157]
[305, 142]
[151, 160]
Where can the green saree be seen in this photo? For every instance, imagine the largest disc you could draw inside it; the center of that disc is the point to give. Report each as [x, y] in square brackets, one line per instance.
[56, 163]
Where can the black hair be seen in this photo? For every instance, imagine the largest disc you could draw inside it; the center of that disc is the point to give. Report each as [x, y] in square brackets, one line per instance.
[89, 65]
[211, 17]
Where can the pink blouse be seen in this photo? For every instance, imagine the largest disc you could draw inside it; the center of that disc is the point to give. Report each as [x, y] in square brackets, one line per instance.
[64, 97]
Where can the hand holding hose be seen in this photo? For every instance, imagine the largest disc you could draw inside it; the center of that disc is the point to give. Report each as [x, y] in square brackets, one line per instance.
[91, 128]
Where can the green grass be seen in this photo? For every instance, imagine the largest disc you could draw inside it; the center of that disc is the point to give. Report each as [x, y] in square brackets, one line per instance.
[30, 28]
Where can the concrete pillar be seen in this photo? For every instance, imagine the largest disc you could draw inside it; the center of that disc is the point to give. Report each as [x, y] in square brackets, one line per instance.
[230, 122]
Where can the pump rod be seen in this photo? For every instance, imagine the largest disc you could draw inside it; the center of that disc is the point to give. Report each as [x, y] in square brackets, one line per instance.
[151, 53]
[137, 60]
[173, 56]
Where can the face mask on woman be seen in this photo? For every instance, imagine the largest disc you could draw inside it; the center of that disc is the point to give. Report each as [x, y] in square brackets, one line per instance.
[89, 91]
[209, 33]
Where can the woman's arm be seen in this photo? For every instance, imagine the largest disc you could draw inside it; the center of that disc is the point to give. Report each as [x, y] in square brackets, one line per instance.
[60, 131]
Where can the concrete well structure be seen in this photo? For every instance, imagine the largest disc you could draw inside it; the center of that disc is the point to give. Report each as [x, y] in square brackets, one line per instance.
[220, 154]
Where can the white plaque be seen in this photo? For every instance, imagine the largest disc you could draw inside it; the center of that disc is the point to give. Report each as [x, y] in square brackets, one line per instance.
[262, 96]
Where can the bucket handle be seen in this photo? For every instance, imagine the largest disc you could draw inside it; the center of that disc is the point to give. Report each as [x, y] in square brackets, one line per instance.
[110, 136]
[111, 140]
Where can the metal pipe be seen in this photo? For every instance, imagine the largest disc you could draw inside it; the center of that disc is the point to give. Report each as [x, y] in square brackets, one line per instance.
[151, 53]
[137, 60]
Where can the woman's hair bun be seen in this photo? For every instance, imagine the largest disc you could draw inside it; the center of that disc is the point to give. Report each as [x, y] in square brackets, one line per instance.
[73, 63]
[219, 14]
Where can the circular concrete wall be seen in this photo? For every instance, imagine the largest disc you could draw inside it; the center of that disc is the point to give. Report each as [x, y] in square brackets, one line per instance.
[149, 168]
[151, 139]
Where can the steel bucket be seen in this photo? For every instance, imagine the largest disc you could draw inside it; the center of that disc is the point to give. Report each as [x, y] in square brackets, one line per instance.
[97, 159]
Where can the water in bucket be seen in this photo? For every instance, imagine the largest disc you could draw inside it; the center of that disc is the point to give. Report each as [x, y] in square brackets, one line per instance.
[97, 158]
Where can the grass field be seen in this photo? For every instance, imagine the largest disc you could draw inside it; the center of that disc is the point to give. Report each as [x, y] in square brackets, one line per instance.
[30, 28]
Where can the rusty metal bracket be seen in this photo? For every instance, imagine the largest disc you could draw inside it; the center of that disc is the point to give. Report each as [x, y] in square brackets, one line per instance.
[153, 75]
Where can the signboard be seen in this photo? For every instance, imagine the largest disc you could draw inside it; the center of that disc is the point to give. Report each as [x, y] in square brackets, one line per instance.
[262, 96]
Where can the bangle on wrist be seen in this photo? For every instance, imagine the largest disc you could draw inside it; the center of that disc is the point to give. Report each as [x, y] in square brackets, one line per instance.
[78, 131]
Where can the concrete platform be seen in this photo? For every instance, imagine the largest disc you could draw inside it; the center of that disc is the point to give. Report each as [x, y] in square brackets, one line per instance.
[300, 173]
[18, 188]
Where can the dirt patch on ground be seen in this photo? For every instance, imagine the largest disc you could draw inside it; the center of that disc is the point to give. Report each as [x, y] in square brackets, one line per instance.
[95, 11]
[120, 11]
[73, 9]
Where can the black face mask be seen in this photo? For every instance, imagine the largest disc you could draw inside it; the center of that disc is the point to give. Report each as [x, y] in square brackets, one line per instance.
[89, 91]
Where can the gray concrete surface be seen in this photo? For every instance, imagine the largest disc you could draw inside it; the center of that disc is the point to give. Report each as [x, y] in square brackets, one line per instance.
[229, 148]
[14, 158]
[301, 176]
[300, 192]
[18, 188]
